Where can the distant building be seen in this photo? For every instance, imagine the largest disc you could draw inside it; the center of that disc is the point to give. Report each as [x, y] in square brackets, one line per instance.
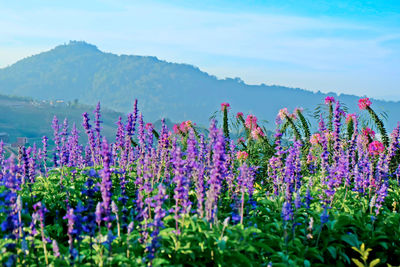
[21, 141]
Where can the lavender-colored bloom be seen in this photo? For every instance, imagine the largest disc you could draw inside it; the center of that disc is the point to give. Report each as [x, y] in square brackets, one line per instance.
[159, 214]
[75, 150]
[131, 123]
[1, 154]
[191, 157]
[130, 227]
[141, 135]
[98, 214]
[24, 164]
[70, 216]
[287, 211]
[120, 136]
[106, 183]
[380, 196]
[97, 125]
[217, 174]
[275, 169]
[297, 201]
[245, 183]
[336, 133]
[182, 185]
[308, 198]
[56, 128]
[56, 250]
[92, 144]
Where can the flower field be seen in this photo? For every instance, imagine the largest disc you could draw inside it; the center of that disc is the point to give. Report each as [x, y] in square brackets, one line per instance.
[189, 197]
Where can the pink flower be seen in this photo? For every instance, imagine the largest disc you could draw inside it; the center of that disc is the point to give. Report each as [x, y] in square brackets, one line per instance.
[239, 115]
[283, 113]
[329, 100]
[376, 148]
[367, 132]
[251, 122]
[176, 129]
[257, 132]
[315, 139]
[149, 125]
[242, 155]
[351, 117]
[292, 116]
[364, 103]
[225, 106]
[241, 140]
[183, 127]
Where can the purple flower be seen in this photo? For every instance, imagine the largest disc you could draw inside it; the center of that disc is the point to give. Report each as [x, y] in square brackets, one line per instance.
[89, 131]
[120, 137]
[56, 128]
[287, 211]
[324, 216]
[56, 250]
[182, 185]
[159, 214]
[217, 173]
[97, 123]
[106, 183]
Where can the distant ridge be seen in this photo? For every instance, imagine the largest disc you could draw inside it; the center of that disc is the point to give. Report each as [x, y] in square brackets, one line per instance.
[79, 70]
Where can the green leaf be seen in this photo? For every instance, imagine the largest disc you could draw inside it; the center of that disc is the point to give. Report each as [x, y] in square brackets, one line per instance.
[374, 262]
[357, 262]
[332, 251]
[350, 239]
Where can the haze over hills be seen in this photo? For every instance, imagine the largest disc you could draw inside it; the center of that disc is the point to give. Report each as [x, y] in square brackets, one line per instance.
[23, 117]
[177, 91]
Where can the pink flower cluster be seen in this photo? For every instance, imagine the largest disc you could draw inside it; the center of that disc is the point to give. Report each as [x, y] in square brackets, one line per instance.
[376, 148]
[149, 125]
[183, 127]
[257, 132]
[329, 100]
[251, 122]
[368, 132]
[283, 113]
[239, 115]
[242, 155]
[225, 106]
[364, 103]
[351, 117]
[315, 139]
[240, 140]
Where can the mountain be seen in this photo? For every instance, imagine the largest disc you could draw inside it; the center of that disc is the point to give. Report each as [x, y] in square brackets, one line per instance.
[78, 71]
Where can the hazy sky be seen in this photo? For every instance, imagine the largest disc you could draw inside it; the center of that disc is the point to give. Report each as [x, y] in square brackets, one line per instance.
[340, 46]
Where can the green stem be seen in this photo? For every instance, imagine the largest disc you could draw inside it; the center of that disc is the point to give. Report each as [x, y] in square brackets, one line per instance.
[380, 126]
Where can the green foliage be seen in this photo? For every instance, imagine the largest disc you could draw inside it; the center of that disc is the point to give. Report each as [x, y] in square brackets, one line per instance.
[380, 126]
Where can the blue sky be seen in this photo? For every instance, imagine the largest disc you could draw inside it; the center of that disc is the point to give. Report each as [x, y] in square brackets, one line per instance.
[340, 46]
